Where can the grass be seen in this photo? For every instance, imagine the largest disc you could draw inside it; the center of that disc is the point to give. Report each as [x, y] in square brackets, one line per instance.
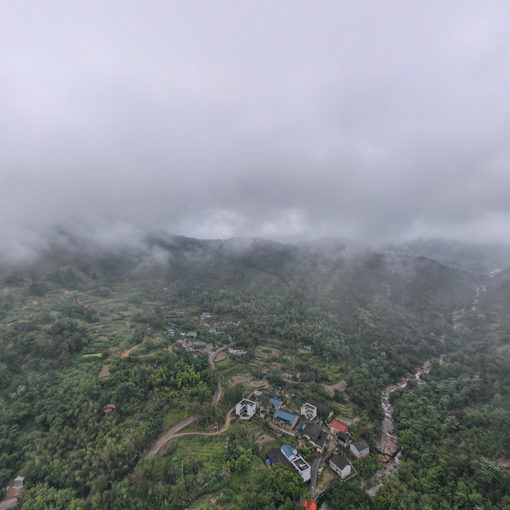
[229, 367]
[208, 451]
[174, 415]
[105, 371]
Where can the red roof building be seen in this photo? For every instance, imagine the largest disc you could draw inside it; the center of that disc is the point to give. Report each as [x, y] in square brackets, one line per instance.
[311, 505]
[338, 426]
[109, 408]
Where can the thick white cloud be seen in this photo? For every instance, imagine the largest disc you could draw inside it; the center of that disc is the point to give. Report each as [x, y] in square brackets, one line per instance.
[377, 120]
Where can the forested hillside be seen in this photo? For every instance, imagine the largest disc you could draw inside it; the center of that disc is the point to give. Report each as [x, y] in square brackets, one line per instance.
[82, 329]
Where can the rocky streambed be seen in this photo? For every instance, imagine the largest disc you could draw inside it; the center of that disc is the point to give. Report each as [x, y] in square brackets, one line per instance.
[388, 444]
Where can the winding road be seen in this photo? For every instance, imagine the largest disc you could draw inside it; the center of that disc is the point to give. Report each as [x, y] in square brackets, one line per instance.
[226, 425]
[171, 433]
[174, 430]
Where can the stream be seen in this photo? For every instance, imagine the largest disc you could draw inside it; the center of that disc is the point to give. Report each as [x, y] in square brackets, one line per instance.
[388, 440]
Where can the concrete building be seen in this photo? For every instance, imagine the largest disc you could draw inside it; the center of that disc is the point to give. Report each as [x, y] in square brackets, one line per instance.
[309, 411]
[245, 409]
[297, 462]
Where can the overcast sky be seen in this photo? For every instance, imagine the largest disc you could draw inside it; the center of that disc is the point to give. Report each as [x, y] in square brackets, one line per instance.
[374, 120]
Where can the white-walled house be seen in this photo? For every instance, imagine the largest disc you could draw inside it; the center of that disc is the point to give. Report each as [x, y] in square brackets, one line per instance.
[245, 409]
[298, 463]
[340, 465]
[236, 352]
[360, 448]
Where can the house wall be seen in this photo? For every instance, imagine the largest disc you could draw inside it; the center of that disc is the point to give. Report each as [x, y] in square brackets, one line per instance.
[343, 473]
[363, 453]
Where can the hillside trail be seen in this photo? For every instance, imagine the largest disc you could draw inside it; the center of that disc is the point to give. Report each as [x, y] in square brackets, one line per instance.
[223, 429]
[173, 431]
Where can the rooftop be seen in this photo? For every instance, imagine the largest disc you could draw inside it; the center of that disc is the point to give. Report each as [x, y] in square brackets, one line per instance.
[287, 450]
[339, 426]
[340, 461]
[360, 444]
[276, 402]
[277, 457]
[322, 409]
[312, 430]
[283, 414]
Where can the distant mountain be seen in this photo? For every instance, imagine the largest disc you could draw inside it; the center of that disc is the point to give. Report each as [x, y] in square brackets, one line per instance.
[474, 257]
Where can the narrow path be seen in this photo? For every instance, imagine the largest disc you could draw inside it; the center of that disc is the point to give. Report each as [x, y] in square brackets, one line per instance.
[173, 431]
[218, 392]
[8, 503]
[329, 447]
[223, 429]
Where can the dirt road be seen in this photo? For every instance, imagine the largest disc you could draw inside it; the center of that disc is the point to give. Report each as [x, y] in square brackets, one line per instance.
[8, 503]
[174, 430]
[170, 434]
[226, 425]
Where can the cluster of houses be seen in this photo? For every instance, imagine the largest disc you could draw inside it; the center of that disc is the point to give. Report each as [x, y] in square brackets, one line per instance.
[193, 346]
[187, 340]
[288, 456]
[216, 325]
[311, 424]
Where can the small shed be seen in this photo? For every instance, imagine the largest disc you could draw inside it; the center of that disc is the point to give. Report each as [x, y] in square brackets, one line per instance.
[109, 408]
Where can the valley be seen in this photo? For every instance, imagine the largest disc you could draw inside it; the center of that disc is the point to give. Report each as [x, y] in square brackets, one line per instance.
[170, 349]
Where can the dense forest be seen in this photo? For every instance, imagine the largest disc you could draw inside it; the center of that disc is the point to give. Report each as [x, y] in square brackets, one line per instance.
[83, 329]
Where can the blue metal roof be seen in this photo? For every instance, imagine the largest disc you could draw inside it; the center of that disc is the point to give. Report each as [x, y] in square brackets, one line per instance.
[287, 450]
[284, 415]
[276, 402]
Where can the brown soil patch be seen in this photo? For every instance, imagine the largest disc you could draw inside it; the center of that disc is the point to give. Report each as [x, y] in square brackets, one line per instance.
[504, 462]
[340, 386]
[264, 438]
[220, 357]
[247, 380]
[99, 339]
[105, 371]
[388, 445]
[240, 379]
[258, 384]
[325, 479]
[126, 352]
[271, 352]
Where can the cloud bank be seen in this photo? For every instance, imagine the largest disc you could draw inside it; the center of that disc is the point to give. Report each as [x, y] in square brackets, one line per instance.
[376, 120]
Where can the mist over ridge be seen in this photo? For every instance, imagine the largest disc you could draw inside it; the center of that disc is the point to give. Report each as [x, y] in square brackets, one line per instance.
[276, 121]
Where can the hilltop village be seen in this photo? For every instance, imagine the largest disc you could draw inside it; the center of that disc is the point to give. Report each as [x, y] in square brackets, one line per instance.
[309, 433]
[310, 426]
